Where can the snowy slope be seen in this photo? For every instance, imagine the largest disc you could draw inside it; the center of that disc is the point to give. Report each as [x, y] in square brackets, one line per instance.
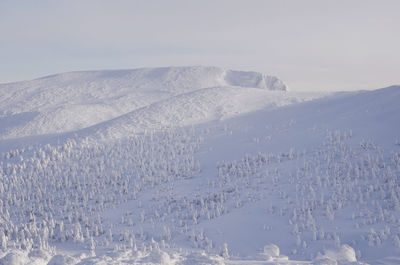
[197, 107]
[217, 173]
[71, 101]
[323, 139]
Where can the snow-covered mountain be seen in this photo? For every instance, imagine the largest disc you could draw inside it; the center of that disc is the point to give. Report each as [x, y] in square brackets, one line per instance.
[76, 100]
[196, 165]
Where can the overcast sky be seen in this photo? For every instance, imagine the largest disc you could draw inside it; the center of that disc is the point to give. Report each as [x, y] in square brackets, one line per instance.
[310, 44]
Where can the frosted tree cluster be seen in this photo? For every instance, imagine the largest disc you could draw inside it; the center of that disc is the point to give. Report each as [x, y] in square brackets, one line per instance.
[63, 193]
[337, 183]
[56, 193]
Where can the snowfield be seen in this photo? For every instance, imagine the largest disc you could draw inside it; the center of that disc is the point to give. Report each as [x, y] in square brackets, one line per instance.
[76, 100]
[196, 165]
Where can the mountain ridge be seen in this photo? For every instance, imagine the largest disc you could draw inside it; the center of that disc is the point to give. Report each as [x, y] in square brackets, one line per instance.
[76, 100]
[221, 76]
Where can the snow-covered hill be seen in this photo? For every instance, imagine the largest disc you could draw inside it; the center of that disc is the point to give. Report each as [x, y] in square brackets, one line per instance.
[196, 165]
[71, 101]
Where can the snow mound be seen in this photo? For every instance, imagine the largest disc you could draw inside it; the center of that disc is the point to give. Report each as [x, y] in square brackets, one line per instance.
[344, 254]
[271, 252]
[14, 258]
[62, 260]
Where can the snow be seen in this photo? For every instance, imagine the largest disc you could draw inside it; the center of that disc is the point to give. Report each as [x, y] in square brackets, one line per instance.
[345, 254]
[14, 258]
[196, 165]
[76, 100]
[271, 252]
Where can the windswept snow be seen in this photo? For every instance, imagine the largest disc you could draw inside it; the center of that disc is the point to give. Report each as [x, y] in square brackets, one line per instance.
[76, 100]
[196, 165]
[197, 107]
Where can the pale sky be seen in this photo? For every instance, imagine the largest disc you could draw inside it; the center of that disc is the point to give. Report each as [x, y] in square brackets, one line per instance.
[309, 44]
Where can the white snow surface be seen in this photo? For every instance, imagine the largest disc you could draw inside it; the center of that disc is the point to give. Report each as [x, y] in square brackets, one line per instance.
[196, 165]
[76, 100]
